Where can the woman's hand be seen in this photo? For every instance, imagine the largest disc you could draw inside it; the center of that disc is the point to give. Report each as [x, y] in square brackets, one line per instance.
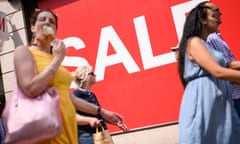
[86, 120]
[114, 118]
[94, 122]
[58, 49]
[122, 126]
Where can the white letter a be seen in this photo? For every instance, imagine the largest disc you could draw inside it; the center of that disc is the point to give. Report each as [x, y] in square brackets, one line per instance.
[108, 35]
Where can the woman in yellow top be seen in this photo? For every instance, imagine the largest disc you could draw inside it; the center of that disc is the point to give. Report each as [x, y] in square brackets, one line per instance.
[46, 54]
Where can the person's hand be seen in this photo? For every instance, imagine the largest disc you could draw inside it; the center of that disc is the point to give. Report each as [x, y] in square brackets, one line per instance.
[114, 118]
[122, 126]
[58, 49]
[86, 120]
[94, 122]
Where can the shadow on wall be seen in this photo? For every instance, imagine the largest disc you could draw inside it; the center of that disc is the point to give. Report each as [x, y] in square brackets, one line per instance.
[13, 32]
[14, 3]
[14, 35]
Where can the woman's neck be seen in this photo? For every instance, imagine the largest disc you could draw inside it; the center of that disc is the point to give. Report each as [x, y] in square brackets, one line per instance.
[41, 46]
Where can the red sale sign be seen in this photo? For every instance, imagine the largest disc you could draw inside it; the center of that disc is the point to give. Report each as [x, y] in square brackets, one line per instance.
[129, 45]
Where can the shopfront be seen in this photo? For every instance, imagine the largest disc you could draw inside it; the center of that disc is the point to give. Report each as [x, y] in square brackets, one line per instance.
[129, 45]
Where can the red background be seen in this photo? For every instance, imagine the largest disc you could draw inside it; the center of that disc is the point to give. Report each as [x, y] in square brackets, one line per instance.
[147, 97]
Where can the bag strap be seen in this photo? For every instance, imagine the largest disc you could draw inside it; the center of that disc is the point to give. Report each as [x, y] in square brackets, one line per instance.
[101, 128]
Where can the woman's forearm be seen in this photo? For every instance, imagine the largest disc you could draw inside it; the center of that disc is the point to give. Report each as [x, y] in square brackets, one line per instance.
[83, 105]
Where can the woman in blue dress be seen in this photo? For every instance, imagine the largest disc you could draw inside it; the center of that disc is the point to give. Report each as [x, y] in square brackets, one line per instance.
[207, 115]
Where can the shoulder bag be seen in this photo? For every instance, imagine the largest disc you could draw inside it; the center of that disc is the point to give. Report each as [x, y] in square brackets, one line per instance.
[29, 120]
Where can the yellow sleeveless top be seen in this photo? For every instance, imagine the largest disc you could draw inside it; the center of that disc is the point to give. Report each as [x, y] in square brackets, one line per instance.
[61, 80]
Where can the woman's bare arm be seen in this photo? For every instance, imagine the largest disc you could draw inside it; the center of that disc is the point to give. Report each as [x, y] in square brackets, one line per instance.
[109, 116]
[234, 65]
[25, 68]
[198, 53]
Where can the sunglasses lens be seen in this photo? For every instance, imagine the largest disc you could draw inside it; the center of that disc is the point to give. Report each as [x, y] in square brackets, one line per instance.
[92, 74]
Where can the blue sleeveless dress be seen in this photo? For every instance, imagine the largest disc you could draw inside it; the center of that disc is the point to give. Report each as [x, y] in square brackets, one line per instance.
[207, 115]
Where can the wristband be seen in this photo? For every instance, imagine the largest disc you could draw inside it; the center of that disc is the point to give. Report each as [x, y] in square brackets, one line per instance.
[99, 110]
[51, 69]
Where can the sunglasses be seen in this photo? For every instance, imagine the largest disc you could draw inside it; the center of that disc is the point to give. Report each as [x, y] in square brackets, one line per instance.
[92, 74]
[174, 49]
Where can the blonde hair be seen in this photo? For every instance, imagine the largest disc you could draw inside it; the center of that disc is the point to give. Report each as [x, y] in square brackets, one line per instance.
[81, 73]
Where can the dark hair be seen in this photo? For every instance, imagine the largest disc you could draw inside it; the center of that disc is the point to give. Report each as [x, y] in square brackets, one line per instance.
[38, 11]
[34, 17]
[192, 27]
[2, 103]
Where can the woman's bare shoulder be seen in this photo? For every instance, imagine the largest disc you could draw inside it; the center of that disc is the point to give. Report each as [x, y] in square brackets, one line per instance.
[22, 49]
[195, 42]
[194, 39]
[22, 52]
